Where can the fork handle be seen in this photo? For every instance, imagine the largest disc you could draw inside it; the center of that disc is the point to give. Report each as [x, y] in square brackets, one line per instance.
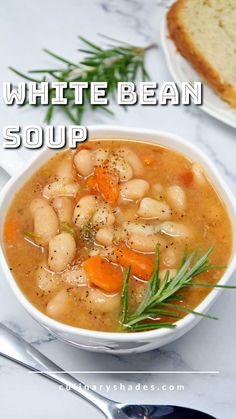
[13, 347]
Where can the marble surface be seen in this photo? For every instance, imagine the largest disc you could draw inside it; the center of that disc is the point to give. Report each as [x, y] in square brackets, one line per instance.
[26, 27]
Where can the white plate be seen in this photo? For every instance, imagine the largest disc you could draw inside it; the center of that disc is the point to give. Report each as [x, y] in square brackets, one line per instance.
[181, 71]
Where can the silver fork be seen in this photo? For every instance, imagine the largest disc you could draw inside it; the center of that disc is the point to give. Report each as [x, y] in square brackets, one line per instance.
[13, 347]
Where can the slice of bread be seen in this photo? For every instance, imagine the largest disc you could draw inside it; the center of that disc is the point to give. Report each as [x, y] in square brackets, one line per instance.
[204, 32]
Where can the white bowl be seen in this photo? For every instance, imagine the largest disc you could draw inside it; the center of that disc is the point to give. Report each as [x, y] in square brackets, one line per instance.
[106, 341]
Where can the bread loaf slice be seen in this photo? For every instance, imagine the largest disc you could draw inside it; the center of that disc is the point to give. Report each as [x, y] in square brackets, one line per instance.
[204, 32]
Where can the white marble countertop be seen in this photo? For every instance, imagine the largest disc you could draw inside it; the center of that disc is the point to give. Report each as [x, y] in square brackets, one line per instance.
[26, 27]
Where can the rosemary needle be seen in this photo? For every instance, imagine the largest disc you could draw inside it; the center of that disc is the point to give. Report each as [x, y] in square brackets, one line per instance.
[119, 62]
[161, 297]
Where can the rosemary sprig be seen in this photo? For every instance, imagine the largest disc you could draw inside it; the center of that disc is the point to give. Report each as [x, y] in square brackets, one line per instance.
[124, 297]
[116, 63]
[161, 297]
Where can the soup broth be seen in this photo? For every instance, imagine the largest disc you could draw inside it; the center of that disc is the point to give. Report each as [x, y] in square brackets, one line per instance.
[86, 215]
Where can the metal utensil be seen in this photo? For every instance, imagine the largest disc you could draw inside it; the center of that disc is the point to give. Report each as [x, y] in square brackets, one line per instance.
[17, 349]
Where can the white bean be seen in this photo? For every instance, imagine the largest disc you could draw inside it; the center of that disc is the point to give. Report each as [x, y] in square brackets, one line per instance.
[120, 234]
[127, 212]
[100, 155]
[105, 236]
[46, 281]
[123, 168]
[176, 197]
[108, 252]
[60, 188]
[61, 252]
[65, 168]
[162, 273]
[199, 175]
[36, 204]
[131, 157]
[76, 277]
[103, 216]
[59, 304]
[64, 207]
[140, 228]
[145, 243]
[151, 208]
[84, 162]
[84, 210]
[46, 224]
[138, 292]
[100, 302]
[169, 258]
[134, 189]
[175, 229]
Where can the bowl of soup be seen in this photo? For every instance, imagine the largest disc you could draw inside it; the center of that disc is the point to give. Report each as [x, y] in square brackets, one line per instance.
[74, 221]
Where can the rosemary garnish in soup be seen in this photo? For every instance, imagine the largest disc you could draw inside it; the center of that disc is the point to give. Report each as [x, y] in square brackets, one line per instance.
[161, 298]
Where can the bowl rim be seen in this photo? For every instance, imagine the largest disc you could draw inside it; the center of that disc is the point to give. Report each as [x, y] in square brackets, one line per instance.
[185, 322]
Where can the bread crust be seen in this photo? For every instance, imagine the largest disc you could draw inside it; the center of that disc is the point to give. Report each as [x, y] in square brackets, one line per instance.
[188, 50]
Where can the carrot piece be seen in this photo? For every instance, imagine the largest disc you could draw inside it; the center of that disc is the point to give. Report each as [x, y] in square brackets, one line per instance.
[108, 183]
[104, 274]
[142, 265]
[187, 177]
[11, 231]
[91, 184]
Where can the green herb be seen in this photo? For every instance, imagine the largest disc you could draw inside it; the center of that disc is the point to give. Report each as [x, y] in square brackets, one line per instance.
[88, 232]
[31, 235]
[112, 64]
[161, 297]
[68, 228]
[124, 297]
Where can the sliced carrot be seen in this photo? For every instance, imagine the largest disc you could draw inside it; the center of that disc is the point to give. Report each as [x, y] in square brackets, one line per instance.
[187, 177]
[91, 184]
[108, 183]
[104, 274]
[11, 231]
[142, 265]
